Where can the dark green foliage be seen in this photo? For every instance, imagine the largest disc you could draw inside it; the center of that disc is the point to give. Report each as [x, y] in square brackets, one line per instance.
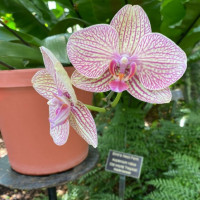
[34, 22]
[99, 183]
[183, 183]
[162, 140]
[157, 143]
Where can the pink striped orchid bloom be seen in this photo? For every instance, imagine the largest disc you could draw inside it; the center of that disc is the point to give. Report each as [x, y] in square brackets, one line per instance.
[54, 84]
[126, 55]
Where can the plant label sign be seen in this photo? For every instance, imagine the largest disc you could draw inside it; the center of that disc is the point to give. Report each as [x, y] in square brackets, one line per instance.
[124, 164]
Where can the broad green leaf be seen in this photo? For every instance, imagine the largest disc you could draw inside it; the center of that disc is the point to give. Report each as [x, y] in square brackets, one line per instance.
[96, 11]
[17, 63]
[191, 38]
[190, 26]
[194, 57]
[179, 17]
[58, 12]
[39, 9]
[8, 20]
[8, 36]
[152, 8]
[8, 49]
[3, 67]
[62, 26]
[172, 12]
[24, 19]
[69, 5]
[192, 14]
[57, 44]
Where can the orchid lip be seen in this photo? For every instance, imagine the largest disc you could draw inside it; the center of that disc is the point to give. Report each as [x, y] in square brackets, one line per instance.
[63, 108]
[122, 70]
[118, 85]
[62, 114]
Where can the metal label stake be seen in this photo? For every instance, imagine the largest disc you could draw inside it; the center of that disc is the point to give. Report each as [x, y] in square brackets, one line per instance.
[122, 185]
[52, 193]
[124, 164]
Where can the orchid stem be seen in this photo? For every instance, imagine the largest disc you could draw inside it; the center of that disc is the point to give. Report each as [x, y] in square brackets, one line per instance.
[117, 98]
[95, 108]
[109, 96]
[113, 104]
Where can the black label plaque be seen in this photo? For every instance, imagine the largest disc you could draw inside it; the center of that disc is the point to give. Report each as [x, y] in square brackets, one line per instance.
[124, 163]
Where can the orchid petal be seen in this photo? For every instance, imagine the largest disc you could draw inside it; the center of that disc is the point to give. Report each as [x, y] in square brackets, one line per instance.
[137, 90]
[131, 23]
[59, 133]
[100, 84]
[44, 84]
[60, 76]
[82, 121]
[161, 61]
[91, 50]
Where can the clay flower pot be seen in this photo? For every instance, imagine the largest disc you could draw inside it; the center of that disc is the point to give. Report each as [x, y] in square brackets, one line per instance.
[25, 127]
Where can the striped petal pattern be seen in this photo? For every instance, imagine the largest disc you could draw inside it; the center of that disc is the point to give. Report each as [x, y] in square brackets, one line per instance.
[141, 62]
[90, 50]
[44, 84]
[161, 61]
[137, 90]
[59, 133]
[131, 23]
[82, 121]
[54, 84]
[56, 70]
[100, 84]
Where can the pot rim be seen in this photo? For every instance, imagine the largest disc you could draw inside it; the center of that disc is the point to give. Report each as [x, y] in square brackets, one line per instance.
[17, 77]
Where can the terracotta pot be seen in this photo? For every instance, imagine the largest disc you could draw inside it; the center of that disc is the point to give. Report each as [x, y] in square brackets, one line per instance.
[25, 127]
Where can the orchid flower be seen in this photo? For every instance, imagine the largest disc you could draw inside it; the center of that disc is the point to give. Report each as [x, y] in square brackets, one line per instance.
[126, 55]
[54, 84]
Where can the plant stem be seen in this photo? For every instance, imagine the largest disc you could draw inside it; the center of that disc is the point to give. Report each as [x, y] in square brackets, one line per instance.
[113, 104]
[14, 33]
[6, 65]
[94, 108]
[109, 96]
[117, 98]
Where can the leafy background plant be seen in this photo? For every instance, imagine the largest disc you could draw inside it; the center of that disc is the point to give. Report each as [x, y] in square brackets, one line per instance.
[33, 24]
[152, 131]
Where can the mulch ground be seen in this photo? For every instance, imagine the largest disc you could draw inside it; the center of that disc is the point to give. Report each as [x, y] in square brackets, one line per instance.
[10, 194]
